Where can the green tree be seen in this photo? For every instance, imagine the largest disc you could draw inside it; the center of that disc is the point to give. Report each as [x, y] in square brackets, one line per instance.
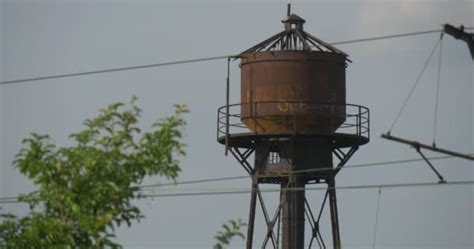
[86, 190]
[229, 230]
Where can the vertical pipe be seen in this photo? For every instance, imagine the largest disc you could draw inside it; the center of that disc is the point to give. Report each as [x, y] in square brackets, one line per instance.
[227, 108]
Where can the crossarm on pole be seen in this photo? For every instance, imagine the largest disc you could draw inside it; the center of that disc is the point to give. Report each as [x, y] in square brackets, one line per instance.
[459, 33]
[417, 144]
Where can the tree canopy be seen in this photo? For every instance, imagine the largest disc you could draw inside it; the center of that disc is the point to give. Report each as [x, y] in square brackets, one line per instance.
[86, 190]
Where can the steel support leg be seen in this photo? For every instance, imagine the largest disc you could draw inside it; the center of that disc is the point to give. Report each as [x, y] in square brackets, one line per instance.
[334, 215]
[253, 204]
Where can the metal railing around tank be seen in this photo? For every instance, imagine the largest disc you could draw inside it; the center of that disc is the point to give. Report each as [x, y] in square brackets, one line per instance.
[293, 117]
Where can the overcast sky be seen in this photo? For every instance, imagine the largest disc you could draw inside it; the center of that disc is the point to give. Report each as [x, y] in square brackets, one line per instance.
[39, 38]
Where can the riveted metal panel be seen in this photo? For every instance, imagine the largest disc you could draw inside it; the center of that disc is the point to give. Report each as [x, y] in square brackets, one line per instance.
[292, 78]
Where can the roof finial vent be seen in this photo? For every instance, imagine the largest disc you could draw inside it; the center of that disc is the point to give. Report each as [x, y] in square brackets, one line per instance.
[292, 21]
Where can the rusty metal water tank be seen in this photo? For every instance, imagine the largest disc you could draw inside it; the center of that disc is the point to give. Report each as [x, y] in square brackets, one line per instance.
[293, 81]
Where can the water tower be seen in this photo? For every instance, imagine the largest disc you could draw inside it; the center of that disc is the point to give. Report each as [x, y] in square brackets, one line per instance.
[293, 117]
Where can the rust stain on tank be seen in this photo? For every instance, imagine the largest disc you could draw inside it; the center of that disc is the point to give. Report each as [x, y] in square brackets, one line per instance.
[278, 89]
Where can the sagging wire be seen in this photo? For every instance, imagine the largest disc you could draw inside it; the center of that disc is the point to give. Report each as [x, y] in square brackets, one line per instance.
[412, 90]
[376, 217]
[438, 79]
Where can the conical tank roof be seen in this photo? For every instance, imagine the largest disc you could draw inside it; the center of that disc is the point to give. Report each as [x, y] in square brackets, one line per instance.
[294, 38]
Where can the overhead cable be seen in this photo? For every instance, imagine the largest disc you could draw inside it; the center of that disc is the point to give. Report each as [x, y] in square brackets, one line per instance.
[353, 166]
[415, 84]
[109, 70]
[349, 187]
[354, 187]
[199, 181]
[376, 218]
[438, 79]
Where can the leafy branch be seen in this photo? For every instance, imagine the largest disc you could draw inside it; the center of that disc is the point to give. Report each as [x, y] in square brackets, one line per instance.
[229, 230]
[86, 190]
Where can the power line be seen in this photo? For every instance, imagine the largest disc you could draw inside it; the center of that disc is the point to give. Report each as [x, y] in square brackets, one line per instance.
[354, 187]
[353, 166]
[349, 187]
[201, 59]
[438, 79]
[376, 218]
[415, 84]
[372, 164]
[14, 199]
[115, 69]
[217, 179]
[389, 36]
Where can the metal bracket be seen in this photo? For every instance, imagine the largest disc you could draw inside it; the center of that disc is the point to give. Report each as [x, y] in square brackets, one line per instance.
[459, 33]
[242, 158]
[343, 157]
[416, 144]
[440, 177]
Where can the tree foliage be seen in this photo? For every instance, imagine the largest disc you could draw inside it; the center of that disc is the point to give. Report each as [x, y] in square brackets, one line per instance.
[229, 230]
[86, 190]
